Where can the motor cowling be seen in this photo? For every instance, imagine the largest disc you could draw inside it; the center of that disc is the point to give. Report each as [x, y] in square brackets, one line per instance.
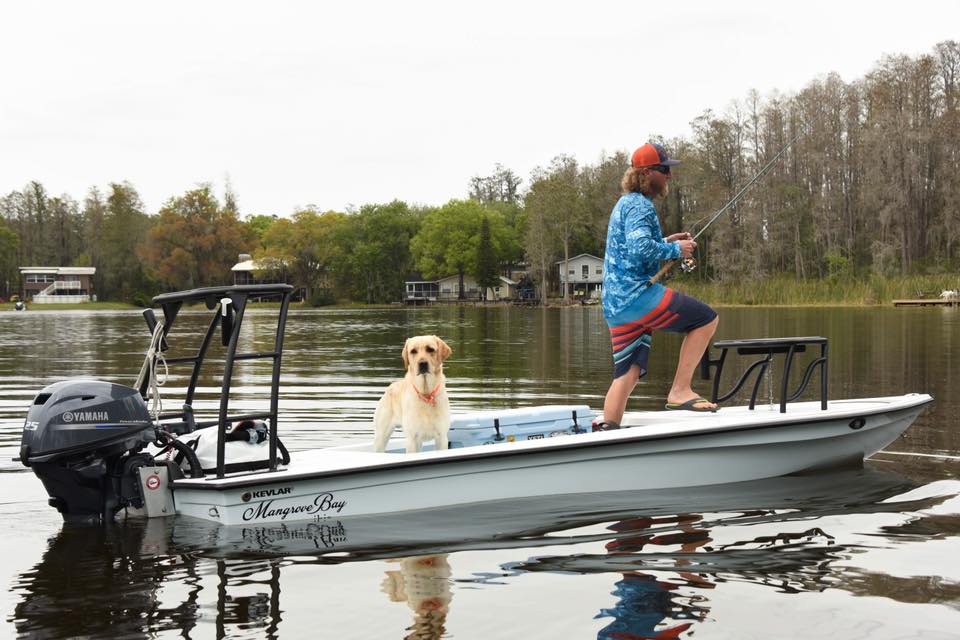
[79, 437]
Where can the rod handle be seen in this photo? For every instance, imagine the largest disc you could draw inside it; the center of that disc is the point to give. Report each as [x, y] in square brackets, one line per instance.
[663, 270]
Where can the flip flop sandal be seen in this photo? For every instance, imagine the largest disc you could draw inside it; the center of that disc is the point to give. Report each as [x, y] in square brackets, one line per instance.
[689, 406]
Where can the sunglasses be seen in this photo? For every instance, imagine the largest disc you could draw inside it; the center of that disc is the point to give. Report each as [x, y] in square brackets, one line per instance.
[661, 168]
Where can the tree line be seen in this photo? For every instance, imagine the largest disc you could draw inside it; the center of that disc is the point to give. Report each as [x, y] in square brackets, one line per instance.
[870, 187]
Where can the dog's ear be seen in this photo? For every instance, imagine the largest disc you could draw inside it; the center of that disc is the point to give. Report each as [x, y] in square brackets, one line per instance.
[444, 350]
[406, 357]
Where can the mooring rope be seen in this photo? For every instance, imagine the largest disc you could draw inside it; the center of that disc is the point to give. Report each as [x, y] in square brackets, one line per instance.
[149, 372]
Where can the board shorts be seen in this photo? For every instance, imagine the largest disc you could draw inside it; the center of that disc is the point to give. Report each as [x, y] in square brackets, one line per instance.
[658, 308]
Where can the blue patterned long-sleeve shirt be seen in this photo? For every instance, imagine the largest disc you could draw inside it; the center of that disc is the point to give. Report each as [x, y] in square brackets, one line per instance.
[635, 247]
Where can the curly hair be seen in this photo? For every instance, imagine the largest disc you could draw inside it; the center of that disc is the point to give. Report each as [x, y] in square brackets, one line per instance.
[635, 181]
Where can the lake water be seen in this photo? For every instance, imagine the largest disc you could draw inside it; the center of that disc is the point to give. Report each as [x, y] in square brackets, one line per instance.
[871, 553]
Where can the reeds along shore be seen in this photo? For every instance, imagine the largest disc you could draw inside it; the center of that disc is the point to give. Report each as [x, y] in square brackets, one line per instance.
[781, 291]
[849, 291]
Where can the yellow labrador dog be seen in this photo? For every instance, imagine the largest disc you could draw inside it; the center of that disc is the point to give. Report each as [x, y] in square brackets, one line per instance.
[418, 403]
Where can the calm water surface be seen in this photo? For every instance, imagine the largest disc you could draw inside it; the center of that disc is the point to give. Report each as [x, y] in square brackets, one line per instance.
[871, 553]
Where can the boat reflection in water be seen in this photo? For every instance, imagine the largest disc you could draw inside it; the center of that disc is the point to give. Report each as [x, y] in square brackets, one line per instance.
[662, 549]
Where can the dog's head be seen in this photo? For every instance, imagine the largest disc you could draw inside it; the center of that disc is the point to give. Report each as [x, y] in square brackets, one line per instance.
[425, 354]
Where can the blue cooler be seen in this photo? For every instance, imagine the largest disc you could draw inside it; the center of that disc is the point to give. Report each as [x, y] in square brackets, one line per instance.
[510, 425]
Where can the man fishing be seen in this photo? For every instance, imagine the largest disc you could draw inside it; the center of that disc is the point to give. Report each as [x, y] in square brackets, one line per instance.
[634, 304]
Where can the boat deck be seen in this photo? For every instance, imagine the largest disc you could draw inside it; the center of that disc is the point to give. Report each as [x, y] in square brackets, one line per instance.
[638, 426]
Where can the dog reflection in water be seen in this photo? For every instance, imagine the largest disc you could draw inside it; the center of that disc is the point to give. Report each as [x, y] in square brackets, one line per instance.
[423, 582]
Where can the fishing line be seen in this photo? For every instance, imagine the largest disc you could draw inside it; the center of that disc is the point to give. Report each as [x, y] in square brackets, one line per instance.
[689, 264]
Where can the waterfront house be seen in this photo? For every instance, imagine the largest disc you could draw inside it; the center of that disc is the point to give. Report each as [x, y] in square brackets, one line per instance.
[46, 285]
[581, 276]
[448, 290]
[250, 271]
[421, 291]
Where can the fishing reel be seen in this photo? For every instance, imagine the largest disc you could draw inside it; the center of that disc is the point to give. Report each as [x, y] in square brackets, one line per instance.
[687, 265]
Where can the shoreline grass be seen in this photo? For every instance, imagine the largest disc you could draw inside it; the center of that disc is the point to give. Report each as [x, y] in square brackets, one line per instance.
[778, 291]
[790, 292]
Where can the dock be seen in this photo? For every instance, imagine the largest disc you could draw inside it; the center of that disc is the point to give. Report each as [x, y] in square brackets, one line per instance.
[928, 302]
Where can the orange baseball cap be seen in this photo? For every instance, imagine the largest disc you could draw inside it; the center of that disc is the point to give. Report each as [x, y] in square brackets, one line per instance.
[650, 155]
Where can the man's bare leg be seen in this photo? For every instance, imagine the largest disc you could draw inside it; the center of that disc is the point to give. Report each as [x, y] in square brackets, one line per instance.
[620, 389]
[694, 344]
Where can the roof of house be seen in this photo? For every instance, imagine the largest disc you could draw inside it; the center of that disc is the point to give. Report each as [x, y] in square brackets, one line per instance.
[588, 255]
[255, 265]
[507, 281]
[61, 271]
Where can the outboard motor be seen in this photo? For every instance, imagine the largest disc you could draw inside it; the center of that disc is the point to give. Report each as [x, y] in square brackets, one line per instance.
[83, 440]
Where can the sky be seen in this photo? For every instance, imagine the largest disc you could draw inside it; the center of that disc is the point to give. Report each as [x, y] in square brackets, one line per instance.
[337, 105]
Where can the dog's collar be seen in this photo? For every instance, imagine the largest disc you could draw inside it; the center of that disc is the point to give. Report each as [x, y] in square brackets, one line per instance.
[429, 398]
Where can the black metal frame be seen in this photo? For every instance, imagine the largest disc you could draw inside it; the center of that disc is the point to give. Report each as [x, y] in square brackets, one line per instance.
[230, 320]
[768, 347]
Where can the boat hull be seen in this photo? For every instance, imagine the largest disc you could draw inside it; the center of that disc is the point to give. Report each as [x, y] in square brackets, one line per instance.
[668, 452]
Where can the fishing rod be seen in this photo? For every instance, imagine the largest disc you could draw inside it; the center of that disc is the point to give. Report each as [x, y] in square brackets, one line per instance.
[689, 264]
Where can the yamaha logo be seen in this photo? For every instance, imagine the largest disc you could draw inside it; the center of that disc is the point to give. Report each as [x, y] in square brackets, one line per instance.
[85, 416]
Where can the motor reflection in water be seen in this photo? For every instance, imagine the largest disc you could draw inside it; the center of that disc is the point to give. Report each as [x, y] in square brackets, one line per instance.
[666, 554]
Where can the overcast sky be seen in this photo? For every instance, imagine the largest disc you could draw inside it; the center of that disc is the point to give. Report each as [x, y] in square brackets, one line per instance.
[348, 103]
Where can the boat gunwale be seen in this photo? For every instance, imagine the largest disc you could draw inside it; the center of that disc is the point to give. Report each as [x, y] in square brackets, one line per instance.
[613, 438]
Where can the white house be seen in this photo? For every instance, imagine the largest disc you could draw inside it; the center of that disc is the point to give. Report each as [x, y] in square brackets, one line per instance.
[581, 276]
[58, 284]
[449, 289]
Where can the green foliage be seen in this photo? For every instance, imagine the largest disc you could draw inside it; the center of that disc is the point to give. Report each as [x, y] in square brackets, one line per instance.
[447, 241]
[450, 237]
[321, 298]
[258, 225]
[309, 249]
[9, 243]
[487, 275]
[502, 187]
[122, 232]
[838, 267]
[868, 196]
[141, 299]
[376, 247]
[786, 290]
[557, 215]
[195, 242]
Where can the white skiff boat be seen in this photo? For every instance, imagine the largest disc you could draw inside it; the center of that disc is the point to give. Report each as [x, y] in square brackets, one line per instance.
[98, 450]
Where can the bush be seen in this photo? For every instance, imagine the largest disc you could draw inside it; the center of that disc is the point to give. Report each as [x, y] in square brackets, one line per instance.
[321, 298]
[141, 299]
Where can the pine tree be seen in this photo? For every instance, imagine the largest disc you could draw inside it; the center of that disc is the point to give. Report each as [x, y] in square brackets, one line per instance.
[487, 275]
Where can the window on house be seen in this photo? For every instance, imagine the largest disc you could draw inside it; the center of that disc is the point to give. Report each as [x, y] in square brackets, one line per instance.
[599, 271]
[585, 271]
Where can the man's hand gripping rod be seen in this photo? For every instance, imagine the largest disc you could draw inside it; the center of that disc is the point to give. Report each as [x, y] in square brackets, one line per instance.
[689, 264]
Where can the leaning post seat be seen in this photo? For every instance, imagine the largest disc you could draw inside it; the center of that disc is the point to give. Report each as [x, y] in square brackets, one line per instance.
[767, 347]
